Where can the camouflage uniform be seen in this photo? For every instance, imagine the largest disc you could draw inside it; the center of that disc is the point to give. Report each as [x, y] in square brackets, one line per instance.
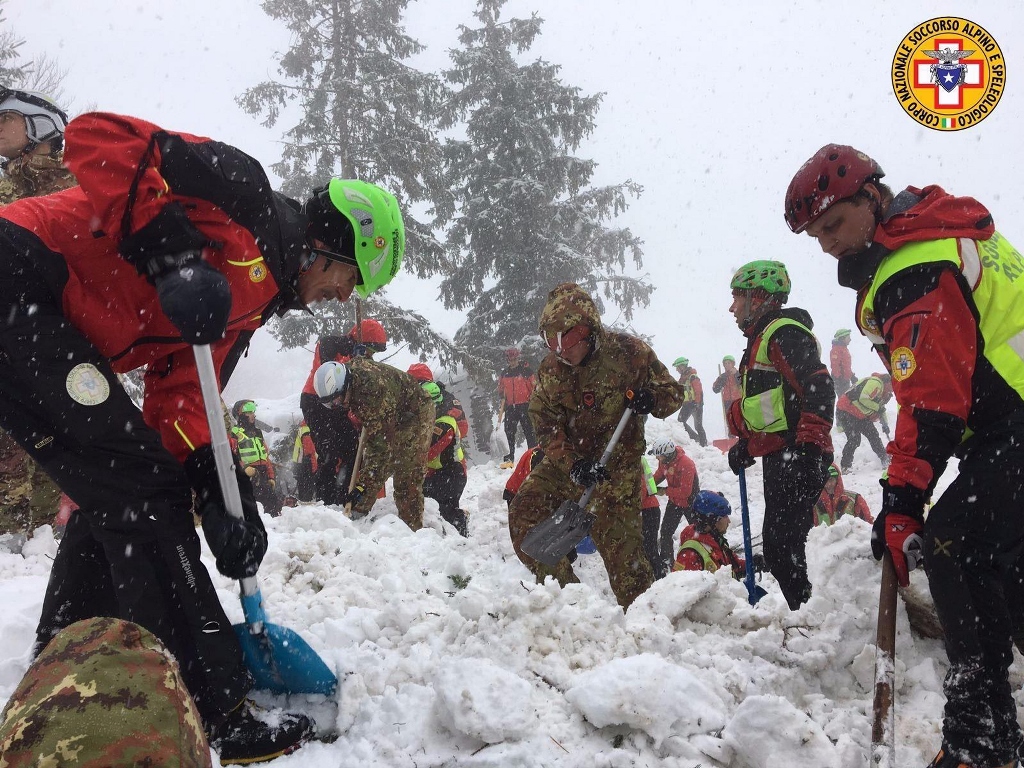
[28, 497]
[105, 692]
[398, 417]
[574, 410]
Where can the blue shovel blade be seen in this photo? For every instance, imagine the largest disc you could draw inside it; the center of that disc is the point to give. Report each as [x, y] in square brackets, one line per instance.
[282, 662]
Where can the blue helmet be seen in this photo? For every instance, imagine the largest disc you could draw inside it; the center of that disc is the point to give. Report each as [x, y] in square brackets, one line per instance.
[712, 504]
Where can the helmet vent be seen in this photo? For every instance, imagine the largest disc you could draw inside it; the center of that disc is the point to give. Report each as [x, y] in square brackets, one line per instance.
[823, 182]
[365, 219]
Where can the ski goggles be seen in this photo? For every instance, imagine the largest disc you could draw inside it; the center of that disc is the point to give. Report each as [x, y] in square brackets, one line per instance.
[563, 341]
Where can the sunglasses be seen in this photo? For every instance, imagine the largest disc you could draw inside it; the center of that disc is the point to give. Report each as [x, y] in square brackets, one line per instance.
[565, 340]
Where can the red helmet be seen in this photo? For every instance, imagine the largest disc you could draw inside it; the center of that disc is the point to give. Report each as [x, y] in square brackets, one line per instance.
[372, 333]
[421, 372]
[835, 173]
[512, 354]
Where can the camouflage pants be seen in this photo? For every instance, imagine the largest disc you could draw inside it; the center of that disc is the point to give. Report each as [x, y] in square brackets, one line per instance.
[407, 464]
[28, 497]
[616, 533]
[104, 692]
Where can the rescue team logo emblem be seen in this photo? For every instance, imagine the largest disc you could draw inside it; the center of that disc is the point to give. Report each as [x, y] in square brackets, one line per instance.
[902, 363]
[258, 272]
[589, 399]
[87, 385]
[948, 73]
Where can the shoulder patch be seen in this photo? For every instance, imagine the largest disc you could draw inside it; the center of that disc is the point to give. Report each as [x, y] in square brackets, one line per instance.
[87, 385]
[902, 363]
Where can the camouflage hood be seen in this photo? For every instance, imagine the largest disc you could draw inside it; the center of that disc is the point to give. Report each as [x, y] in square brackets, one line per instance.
[568, 306]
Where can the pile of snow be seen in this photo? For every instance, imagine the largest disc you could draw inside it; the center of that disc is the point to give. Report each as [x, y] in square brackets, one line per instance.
[449, 653]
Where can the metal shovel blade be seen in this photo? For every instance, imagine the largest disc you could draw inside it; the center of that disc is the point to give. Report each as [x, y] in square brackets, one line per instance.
[282, 662]
[552, 539]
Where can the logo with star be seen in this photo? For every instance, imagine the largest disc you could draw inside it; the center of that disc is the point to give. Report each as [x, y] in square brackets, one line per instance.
[902, 363]
[948, 73]
[258, 272]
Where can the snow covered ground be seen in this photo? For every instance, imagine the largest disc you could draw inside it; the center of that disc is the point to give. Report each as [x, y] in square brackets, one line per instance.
[450, 655]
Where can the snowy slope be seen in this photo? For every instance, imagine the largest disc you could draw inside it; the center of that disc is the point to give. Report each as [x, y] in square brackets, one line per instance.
[505, 672]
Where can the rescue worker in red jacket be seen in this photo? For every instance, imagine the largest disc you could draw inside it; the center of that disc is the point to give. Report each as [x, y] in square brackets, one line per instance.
[857, 412]
[841, 362]
[679, 474]
[940, 296]
[728, 384]
[783, 416]
[515, 386]
[835, 501]
[693, 402]
[336, 432]
[702, 544]
[250, 447]
[171, 240]
[446, 464]
[450, 404]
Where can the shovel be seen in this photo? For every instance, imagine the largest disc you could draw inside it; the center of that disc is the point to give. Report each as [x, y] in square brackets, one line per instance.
[552, 539]
[280, 661]
[754, 592]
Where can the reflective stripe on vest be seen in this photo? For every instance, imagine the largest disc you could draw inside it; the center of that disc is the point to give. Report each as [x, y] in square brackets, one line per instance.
[297, 448]
[435, 463]
[688, 393]
[766, 411]
[652, 487]
[250, 449]
[994, 270]
[709, 565]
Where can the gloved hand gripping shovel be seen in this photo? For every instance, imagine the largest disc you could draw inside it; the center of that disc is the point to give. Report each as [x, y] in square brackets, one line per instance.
[552, 539]
[754, 592]
[280, 660]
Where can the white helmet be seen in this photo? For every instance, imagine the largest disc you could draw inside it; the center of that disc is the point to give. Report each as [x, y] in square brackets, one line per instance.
[662, 448]
[44, 120]
[330, 381]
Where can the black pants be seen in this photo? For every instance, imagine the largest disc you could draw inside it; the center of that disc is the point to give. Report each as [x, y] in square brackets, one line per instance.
[132, 550]
[336, 441]
[650, 523]
[973, 544]
[674, 515]
[697, 411]
[791, 486]
[515, 416]
[854, 429]
[304, 479]
[445, 486]
[265, 494]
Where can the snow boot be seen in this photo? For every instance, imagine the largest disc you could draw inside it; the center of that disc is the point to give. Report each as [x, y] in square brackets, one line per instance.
[508, 462]
[251, 734]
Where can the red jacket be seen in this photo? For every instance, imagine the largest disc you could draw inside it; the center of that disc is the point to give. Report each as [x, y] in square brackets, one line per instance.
[691, 381]
[841, 361]
[835, 501]
[691, 560]
[111, 304]
[681, 474]
[927, 310]
[524, 466]
[516, 384]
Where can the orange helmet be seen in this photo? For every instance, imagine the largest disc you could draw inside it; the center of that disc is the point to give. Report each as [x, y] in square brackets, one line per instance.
[373, 334]
[421, 372]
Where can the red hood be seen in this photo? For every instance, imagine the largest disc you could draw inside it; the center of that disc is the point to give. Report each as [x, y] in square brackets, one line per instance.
[938, 215]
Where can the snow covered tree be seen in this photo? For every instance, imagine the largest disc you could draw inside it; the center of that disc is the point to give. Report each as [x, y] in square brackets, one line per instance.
[40, 73]
[363, 113]
[526, 218]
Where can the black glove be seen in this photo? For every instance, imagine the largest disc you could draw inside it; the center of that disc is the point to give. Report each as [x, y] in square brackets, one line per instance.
[353, 497]
[237, 545]
[759, 565]
[168, 251]
[813, 458]
[739, 457]
[586, 473]
[641, 401]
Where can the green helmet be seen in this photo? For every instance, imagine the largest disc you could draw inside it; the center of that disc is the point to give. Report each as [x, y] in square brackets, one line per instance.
[433, 390]
[680, 361]
[728, 359]
[841, 333]
[769, 276]
[361, 225]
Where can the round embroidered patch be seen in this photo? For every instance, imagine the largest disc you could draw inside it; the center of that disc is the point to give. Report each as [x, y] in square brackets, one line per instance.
[258, 272]
[87, 385]
[902, 363]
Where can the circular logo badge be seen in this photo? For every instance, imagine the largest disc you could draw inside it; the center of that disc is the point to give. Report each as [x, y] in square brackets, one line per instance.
[902, 363]
[258, 272]
[87, 385]
[948, 73]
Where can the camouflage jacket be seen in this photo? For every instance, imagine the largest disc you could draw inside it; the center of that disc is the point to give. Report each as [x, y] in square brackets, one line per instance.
[34, 175]
[103, 692]
[575, 409]
[388, 402]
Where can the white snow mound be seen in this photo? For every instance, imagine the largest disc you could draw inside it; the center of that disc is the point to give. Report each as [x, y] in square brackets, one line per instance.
[482, 700]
